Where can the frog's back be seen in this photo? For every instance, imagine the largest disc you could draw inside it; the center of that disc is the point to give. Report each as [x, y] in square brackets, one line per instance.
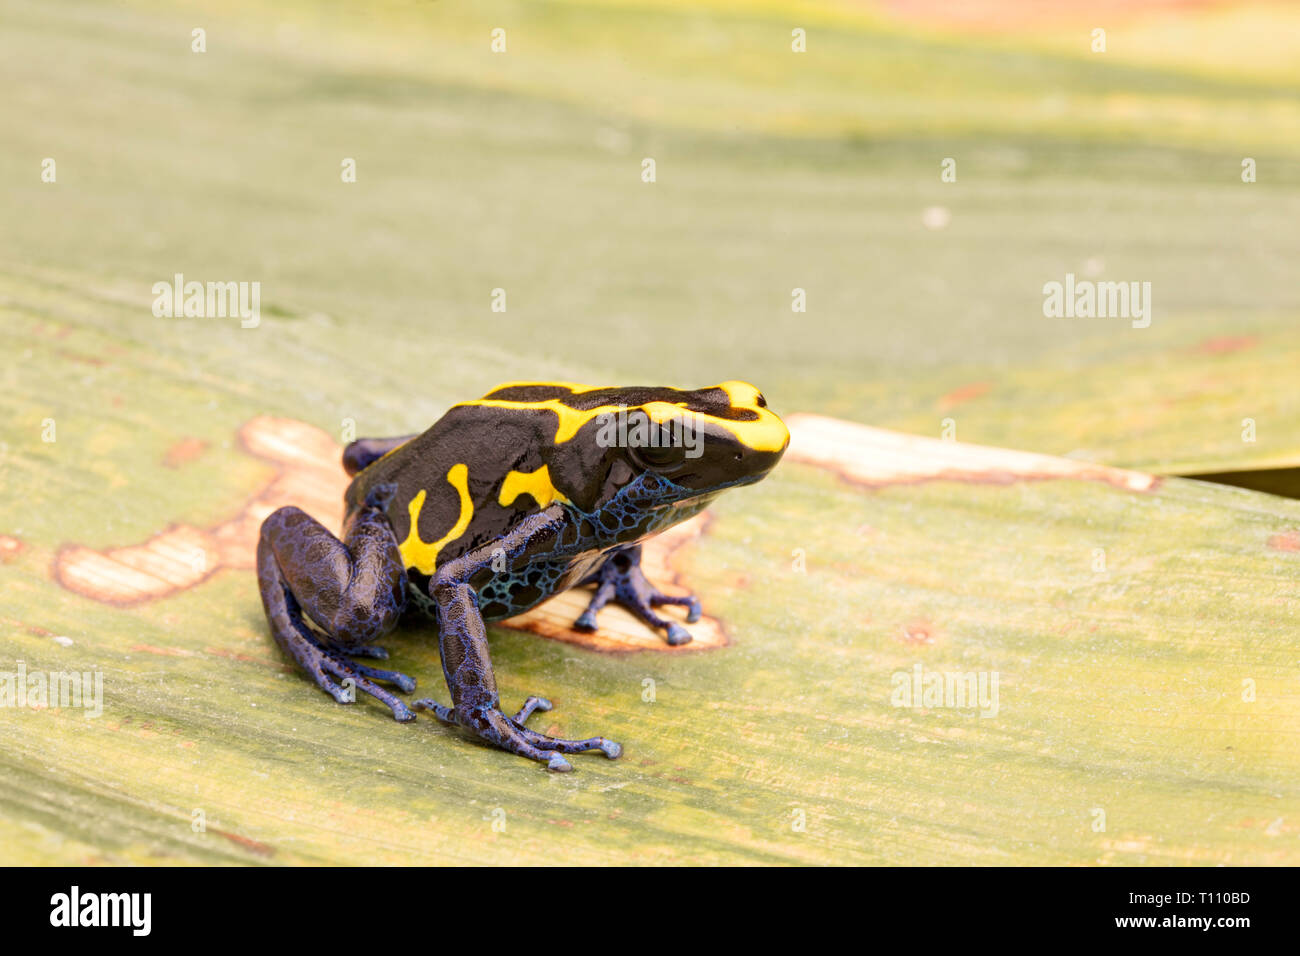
[465, 483]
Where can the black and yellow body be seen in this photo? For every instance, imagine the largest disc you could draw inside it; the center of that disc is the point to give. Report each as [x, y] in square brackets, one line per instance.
[505, 501]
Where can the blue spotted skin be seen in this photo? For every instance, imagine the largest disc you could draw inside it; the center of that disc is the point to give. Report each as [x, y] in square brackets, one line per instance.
[465, 661]
[328, 600]
[587, 541]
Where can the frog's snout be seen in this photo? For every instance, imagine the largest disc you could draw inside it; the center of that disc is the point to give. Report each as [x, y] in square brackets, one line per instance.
[755, 427]
[754, 462]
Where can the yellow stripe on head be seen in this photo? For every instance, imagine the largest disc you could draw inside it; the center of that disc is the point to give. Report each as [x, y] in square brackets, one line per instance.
[762, 432]
[766, 432]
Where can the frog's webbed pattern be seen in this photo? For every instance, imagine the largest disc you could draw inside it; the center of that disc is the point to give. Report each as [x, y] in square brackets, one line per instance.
[630, 516]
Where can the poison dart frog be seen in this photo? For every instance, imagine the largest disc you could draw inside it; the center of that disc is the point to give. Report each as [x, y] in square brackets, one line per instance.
[505, 501]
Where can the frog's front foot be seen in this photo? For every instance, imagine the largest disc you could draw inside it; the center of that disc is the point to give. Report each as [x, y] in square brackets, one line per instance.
[621, 580]
[509, 733]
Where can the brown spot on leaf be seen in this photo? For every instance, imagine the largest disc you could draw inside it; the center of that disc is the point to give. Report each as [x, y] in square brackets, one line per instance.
[1226, 344]
[959, 396]
[184, 451]
[1289, 541]
[92, 360]
[10, 548]
[34, 629]
[261, 849]
[919, 631]
[163, 651]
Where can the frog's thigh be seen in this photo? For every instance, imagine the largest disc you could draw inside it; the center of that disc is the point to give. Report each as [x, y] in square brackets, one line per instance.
[354, 590]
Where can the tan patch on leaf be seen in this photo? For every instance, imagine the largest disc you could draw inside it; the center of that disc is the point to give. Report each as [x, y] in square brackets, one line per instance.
[174, 559]
[1290, 541]
[878, 458]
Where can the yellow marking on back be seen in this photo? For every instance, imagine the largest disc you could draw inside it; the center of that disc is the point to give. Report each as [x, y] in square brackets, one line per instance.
[537, 483]
[571, 419]
[418, 554]
[765, 433]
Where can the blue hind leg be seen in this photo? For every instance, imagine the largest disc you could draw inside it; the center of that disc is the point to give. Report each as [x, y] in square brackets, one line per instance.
[353, 591]
[366, 451]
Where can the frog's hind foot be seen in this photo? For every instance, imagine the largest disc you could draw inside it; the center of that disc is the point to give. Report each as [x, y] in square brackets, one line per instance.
[621, 580]
[509, 733]
[341, 677]
[371, 651]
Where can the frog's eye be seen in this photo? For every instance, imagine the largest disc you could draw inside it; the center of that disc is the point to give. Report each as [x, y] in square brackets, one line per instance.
[657, 457]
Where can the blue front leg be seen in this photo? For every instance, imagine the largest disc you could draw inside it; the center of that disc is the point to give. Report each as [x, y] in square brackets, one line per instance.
[620, 579]
[462, 640]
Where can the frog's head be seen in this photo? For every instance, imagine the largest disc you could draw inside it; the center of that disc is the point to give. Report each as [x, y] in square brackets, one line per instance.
[653, 448]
